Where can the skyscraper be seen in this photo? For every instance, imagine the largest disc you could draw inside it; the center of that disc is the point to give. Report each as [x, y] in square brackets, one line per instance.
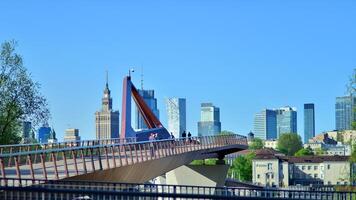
[151, 101]
[44, 133]
[52, 136]
[26, 131]
[343, 112]
[176, 112]
[209, 120]
[309, 121]
[71, 134]
[265, 124]
[286, 120]
[107, 121]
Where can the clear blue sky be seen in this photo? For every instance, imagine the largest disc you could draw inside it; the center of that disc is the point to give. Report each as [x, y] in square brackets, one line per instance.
[241, 55]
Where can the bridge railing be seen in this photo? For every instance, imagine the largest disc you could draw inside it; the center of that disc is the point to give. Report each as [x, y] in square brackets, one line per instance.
[104, 190]
[60, 163]
[17, 148]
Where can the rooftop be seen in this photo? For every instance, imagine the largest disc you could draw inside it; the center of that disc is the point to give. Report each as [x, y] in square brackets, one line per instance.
[272, 154]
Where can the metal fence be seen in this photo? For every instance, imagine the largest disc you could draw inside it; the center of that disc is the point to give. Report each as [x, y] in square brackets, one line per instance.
[101, 190]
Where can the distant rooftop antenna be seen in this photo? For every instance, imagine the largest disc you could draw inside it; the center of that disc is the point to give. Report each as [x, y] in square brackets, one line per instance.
[131, 71]
[141, 78]
[107, 78]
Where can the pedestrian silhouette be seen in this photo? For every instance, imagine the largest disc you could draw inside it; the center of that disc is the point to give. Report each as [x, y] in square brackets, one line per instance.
[190, 137]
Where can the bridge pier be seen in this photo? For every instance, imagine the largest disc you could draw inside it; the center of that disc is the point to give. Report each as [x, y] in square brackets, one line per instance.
[198, 175]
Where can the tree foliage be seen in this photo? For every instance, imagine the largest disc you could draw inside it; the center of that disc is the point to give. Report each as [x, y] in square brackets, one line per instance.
[319, 151]
[353, 155]
[256, 143]
[210, 161]
[20, 99]
[351, 86]
[353, 163]
[304, 152]
[289, 143]
[242, 167]
[351, 90]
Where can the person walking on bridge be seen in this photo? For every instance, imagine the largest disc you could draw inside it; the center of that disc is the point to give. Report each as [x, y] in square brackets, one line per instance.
[151, 139]
[184, 135]
[172, 142]
[189, 137]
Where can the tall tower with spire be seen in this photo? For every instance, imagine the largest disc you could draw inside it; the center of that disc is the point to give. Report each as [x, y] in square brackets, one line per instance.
[107, 120]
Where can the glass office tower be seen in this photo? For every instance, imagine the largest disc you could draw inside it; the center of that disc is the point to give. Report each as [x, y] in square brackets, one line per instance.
[209, 123]
[265, 124]
[309, 121]
[176, 114]
[344, 112]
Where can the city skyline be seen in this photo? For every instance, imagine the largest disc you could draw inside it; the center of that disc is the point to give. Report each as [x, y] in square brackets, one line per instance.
[242, 67]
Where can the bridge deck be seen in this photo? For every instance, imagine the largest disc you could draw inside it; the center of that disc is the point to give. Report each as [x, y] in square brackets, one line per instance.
[54, 164]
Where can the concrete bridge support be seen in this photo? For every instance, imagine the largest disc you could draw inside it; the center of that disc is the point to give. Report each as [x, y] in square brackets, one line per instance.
[198, 175]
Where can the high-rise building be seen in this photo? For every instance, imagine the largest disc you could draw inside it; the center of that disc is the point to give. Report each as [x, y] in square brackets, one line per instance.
[286, 120]
[107, 121]
[71, 134]
[26, 131]
[46, 134]
[176, 112]
[265, 125]
[149, 98]
[52, 136]
[209, 120]
[309, 122]
[344, 112]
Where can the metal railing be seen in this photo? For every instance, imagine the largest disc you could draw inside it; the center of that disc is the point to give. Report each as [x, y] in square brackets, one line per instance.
[16, 148]
[64, 162]
[104, 190]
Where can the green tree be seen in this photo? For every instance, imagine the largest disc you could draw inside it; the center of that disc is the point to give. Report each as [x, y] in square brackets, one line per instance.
[319, 151]
[353, 123]
[353, 155]
[20, 99]
[351, 90]
[210, 161]
[289, 143]
[353, 163]
[256, 143]
[304, 152]
[242, 167]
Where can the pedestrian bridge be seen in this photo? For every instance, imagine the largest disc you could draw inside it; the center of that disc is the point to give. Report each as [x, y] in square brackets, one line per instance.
[124, 160]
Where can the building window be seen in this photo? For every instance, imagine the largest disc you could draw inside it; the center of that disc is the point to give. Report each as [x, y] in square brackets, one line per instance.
[258, 176]
[315, 167]
[329, 183]
[328, 166]
[315, 175]
[269, 166]
[272, 176]
[303, 167]
[309, 167]
[338, 183]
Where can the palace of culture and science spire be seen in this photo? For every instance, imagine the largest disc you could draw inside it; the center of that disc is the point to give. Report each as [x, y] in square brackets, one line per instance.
[107, 121]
